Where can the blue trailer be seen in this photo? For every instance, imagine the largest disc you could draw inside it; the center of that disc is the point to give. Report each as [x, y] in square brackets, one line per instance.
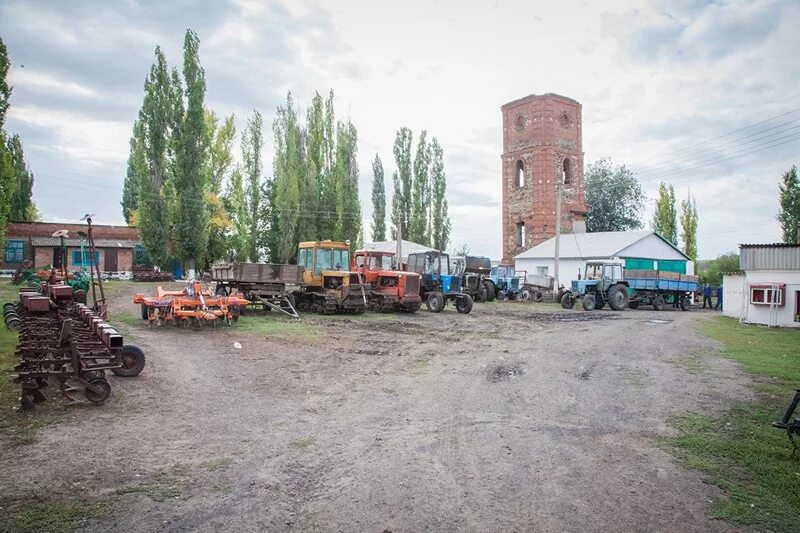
[652, 287]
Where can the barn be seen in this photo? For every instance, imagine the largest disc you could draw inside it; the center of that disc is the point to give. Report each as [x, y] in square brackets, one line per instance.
[635, 249]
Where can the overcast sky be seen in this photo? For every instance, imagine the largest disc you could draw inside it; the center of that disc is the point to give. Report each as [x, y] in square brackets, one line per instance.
[653, 77]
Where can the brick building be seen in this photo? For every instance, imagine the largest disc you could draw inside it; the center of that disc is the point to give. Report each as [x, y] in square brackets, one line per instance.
[34, 241]
[542, 145]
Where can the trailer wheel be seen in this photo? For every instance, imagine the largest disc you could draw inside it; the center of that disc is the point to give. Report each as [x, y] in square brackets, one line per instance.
[685, 303]
[435, 302]
[132, 359]
[490, 292]
[538, 296]
[464, 304]
[658, 302]
[103, 390]
[618, 297]
[589, 302]
[501, 295]
[633, 304]
[567, 301]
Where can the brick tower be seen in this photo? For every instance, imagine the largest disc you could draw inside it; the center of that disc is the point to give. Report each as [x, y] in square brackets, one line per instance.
[541, 145]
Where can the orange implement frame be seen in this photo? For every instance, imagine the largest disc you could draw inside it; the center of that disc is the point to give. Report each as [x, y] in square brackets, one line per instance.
[192, 304]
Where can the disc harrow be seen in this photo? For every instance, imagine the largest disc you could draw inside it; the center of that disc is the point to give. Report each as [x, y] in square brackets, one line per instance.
[194, 304]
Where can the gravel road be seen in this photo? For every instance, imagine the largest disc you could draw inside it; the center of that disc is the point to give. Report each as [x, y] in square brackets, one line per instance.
[517, 417]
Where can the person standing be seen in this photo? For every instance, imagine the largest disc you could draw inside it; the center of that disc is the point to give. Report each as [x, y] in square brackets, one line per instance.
[707, 296]
[718, 307]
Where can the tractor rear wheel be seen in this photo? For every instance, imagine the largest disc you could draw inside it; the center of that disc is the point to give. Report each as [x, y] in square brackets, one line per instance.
[685, 303]
[464, 304]
[435, 302]
[589, 302]
[132, 359]
[658, 302]
[618, 297]
[567, 301]
[490, 292]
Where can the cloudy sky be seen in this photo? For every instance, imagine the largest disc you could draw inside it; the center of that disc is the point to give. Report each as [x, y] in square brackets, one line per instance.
[664, 86]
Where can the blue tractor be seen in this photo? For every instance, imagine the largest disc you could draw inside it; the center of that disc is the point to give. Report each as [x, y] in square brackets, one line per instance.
[507, 285]
[603, 283]
[438, 285]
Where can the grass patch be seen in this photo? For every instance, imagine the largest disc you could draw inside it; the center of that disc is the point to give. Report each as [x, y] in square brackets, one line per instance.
[692, 363]
[217, 464]
[50, 516]
[224, 488]
[280, 328]
[304, 442]
[167, 485]
[743, 455]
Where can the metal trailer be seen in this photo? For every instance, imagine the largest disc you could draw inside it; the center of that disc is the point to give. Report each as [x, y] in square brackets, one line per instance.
[262, 284]
[535, 287]
[657, 288]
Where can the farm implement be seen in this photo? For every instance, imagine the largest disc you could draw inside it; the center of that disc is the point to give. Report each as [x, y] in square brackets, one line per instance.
[261, 284]
[190, 305]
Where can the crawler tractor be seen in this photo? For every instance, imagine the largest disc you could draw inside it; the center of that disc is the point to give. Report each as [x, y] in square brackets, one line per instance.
[438, 285]
[389, 289]
[327, 286]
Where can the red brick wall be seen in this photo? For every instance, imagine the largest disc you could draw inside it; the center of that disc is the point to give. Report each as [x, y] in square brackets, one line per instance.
[25, 230]
[541, 131]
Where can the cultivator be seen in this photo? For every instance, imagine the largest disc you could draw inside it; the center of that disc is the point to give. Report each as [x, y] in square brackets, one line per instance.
[66, 342]
[191, 305]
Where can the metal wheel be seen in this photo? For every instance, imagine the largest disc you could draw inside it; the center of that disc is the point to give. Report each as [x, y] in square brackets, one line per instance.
[538, 296]
[567, 301]
[589, 302]
[526, 295]
[686, 304]
[658, 302]
[103, 390]
[464, 304]
[435, 302]
[490, 292]
[132, 359]
[633, 304]
[618, 297]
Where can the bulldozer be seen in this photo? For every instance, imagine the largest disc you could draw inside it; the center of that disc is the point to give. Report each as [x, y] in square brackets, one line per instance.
[328, 286]
[389, 288]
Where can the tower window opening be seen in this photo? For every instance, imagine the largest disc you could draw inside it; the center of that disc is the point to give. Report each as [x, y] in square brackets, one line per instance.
[520, 234]
[520, 173]
[566, 174]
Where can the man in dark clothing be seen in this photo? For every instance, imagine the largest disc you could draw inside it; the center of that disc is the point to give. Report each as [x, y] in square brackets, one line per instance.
[718, 307]
[707, 296]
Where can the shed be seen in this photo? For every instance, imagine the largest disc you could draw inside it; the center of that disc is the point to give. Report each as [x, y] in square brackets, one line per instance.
[767, 290]
[640, 250]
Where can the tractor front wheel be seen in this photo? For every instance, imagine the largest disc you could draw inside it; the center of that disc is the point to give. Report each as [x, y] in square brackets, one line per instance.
[589, 302]
[464, 304]
[567, 301]
[435, 302]
[490, 292]
[482, 294]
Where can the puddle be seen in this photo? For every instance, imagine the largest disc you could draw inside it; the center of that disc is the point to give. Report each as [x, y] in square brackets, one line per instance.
[657, 321]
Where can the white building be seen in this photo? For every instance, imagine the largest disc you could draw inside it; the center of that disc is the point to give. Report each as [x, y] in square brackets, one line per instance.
[408, 247]
[641, 250]
[767, 291]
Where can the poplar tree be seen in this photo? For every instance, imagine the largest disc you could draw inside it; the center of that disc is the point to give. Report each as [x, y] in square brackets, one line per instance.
[378, 201]
[220, 149]
[401, 202]
[238, 208]
[316, 168]
[440, 220]
[22, 208]
[665, 218]
[252, 146]
[5, 88]
[348, 210]
[7, 174]
[286, 199]
[192, 220]
[789, 214]
[689, 226]
[418, 226]
[130, 187]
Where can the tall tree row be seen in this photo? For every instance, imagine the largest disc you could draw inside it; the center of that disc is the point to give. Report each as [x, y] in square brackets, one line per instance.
[419, 202]
[16, 178]
[689, 226]
[378, 201]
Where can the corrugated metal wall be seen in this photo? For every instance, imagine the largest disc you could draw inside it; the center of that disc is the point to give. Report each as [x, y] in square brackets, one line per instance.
[769, 258]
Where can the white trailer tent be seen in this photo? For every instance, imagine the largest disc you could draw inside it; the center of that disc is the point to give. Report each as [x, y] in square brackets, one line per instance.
[767, 291]
[644, 250]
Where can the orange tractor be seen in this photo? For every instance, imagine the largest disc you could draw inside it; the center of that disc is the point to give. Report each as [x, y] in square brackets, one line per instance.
[192, 304]
[389, 289]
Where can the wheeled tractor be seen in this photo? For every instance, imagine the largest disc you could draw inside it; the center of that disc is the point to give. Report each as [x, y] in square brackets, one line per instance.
[437, 285]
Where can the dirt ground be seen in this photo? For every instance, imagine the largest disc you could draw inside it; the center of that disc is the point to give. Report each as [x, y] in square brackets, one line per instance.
[517, 417]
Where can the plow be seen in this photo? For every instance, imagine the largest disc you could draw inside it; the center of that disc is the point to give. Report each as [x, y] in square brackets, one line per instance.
[192, 305]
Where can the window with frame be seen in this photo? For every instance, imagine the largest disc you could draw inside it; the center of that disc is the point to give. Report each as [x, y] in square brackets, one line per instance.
[14, 252]
[542, 270]
[767, 295]
[520, 234]
[520, 174]
[84, 259]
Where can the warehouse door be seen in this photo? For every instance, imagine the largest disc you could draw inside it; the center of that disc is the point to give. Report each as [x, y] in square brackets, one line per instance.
[110, 260]
[58, 261]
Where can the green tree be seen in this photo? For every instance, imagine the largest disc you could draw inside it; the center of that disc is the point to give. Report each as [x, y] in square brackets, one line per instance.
[689, 226]
[348, 209]
[252, 146]
[317, 168]
[220, 149]
[192, 220]
[789, 214]
[22, 207]
[7, 175]
[378, 201]
[712, 273]
[238, 209]
[440, 220]
[401, 201]
[5, 88]
[152, 145]
[418, 226]
[614, 197]
[130, 187]
[665, 218]
[286, 170]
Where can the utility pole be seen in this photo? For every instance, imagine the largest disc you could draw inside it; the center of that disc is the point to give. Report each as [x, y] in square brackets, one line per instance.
[558, 238]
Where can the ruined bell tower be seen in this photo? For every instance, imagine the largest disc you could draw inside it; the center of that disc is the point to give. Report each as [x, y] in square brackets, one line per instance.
[542, 146]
